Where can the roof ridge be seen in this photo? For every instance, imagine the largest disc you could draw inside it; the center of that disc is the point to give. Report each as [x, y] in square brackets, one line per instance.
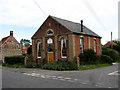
[65, 20]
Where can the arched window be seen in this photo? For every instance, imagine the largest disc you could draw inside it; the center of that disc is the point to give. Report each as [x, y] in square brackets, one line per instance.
[63, 48]
[95, 49]
[81, 45]
[50, 32]
[39, 49]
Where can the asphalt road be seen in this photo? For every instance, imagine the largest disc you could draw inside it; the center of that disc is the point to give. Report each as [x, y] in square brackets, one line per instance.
[97, 78]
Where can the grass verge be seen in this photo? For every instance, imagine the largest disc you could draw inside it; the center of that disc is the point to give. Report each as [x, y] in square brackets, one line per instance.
[87, 67]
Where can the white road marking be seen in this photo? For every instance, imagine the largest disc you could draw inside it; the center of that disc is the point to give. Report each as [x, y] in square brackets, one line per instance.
[84, 83]
[28, 74]
[54, 76]
[42, 76]
[114, 73]
[67, 78]
[75, 79]
[59, 77]
[62, 79]
[25, 73]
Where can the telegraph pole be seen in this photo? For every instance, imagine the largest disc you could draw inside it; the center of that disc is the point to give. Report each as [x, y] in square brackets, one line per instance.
[111, 41]
[111, 36]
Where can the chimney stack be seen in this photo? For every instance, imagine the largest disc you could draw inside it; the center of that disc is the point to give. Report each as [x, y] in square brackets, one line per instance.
[81, 25]
[11, 33]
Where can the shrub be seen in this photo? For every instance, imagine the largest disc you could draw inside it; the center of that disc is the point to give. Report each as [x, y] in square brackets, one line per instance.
[106, 59]
[14, 59]
[44, 61]
[61, 65]
[31, 64]
[112, 53]
[88, 57]
[29, 50]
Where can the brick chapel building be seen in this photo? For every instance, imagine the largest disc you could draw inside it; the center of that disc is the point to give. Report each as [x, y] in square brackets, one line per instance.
[9, 46]
[59, 39]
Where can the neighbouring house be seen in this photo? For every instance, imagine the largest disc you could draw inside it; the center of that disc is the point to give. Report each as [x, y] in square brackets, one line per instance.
[59, 39]
[108, 44]
[9, 46]
[24, 49]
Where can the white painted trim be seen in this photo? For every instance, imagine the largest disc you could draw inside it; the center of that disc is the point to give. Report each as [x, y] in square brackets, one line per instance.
[38, 57]
[63, 57]
[62, 47]
[38, 48]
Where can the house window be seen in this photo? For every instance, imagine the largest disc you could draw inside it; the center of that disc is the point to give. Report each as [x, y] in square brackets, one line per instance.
[50, 32]
[95, 45]
[81, 45]
[17, 46]
[63, 48]
[39, 49]
[50, 41]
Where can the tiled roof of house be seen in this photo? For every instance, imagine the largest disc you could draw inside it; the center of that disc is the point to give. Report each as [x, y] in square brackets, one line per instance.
[3, 40]
[109, 43]
[75, 27]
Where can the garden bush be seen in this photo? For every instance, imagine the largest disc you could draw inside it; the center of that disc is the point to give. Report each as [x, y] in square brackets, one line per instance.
[44, 61]
[106, 59]
[29, 50]
[112, 53]
[31, 64]
[14, 59]
[61, 65]
[88, 57]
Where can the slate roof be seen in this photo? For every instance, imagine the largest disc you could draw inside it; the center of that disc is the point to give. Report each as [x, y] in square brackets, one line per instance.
[75, 27]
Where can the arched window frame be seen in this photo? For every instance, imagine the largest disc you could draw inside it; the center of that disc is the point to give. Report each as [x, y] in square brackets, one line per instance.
[38, 49]
[81, 44]
[95, 45]
[63, 40]
[49, 31]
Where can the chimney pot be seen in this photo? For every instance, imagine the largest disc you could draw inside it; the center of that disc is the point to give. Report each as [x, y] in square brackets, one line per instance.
[11, 33]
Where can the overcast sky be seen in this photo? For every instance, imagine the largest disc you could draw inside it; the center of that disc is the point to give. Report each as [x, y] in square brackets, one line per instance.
[24, 17]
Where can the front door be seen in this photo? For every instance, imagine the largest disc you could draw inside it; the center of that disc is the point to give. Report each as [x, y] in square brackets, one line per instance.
[50, 57]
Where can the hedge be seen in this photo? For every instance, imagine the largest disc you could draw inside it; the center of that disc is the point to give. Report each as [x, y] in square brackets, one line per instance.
[88, 57]
[61, 66]
[106, 59]
[14, 59]
[112, 53]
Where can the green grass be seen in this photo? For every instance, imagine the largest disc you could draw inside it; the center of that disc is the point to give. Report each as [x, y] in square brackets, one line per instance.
[87, 67]
[14, 65]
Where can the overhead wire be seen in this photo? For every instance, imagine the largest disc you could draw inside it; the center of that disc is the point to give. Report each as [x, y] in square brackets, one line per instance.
[40, 8]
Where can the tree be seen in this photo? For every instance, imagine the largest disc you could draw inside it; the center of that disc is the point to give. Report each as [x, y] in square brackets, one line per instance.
[25, 42]
[29, 50]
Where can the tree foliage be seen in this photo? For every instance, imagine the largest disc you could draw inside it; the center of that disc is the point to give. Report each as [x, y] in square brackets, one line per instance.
[25, 42]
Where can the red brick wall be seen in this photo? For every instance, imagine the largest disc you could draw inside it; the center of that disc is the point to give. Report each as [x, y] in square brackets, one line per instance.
[58, 28]
[86, 44]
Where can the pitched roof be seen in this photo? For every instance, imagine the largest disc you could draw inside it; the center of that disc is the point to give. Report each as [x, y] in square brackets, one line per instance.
[3, 40]
[75, 27]
[109, 43]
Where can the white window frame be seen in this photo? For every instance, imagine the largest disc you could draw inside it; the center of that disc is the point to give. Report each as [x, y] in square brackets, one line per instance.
[38, 49]
[62, 47]
[81, 44]
[95, 45]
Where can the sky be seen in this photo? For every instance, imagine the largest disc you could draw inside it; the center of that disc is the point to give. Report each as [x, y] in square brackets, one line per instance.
[24, 17]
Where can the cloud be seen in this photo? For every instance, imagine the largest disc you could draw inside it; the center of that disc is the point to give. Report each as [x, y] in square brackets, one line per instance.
[25, 13]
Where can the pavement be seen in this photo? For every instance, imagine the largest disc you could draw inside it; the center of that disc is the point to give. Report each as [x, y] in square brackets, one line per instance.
[106, 77]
